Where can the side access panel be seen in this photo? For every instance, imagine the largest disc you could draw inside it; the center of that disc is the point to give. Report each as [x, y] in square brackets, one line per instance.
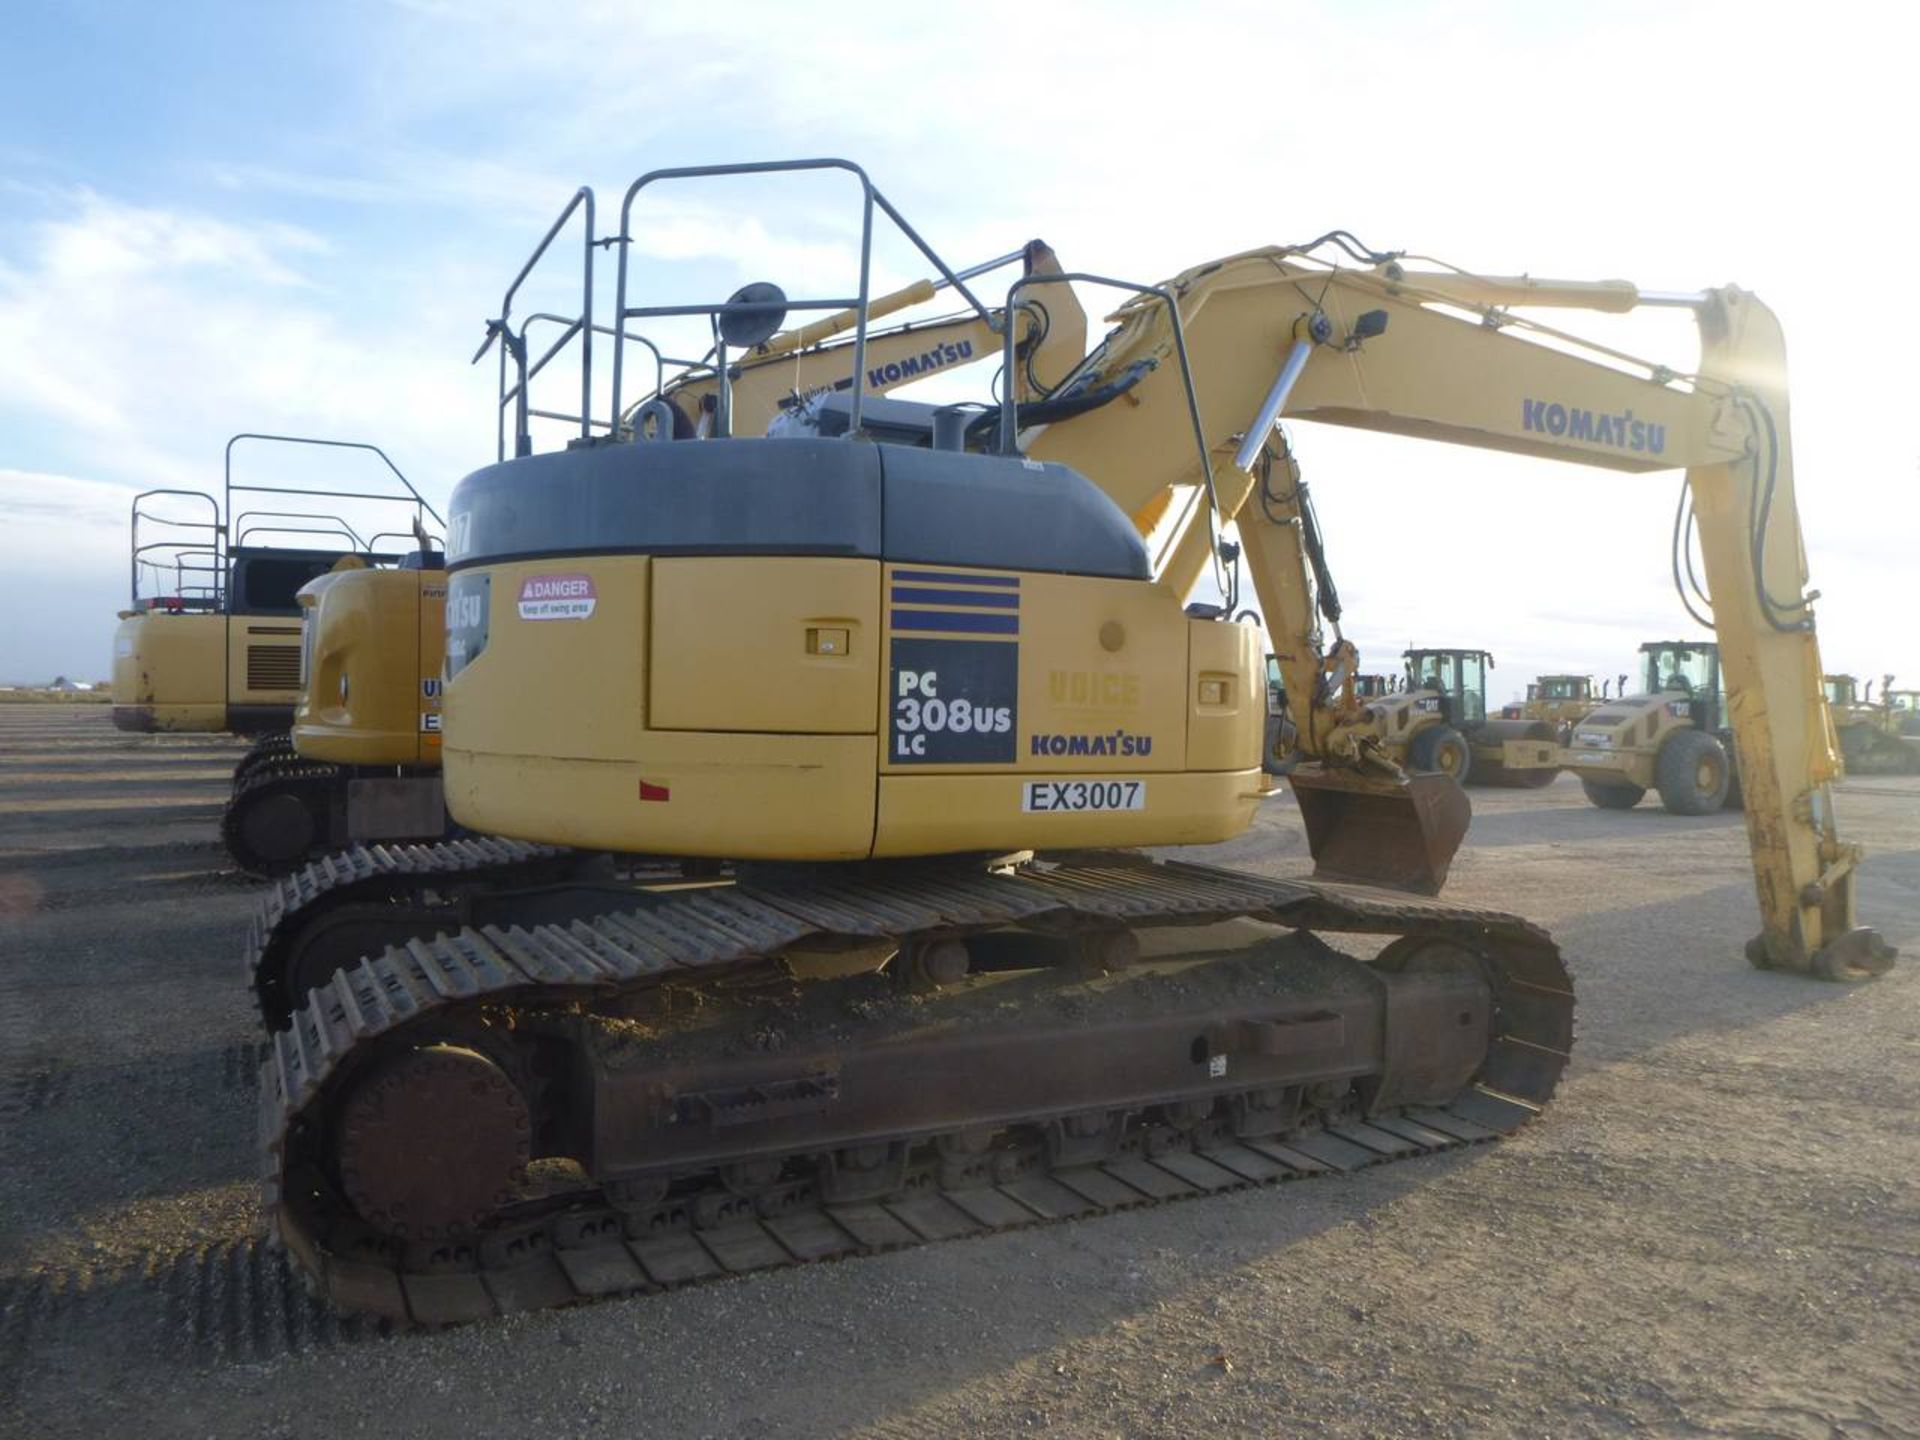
[169, 672]
[548, 732]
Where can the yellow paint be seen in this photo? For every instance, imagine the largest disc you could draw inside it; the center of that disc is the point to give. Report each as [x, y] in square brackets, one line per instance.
[169, 672]
[376, 639]
[688, 715]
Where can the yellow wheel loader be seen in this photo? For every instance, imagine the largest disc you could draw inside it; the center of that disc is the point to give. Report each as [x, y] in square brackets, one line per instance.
[1673, 737]
[1438, 722]
[1876, 738]
[1557, 700]
[874, 731]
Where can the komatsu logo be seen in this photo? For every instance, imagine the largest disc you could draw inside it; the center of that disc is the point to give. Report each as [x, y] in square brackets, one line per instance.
[938, 358]
[1621, 431]
[1118, 743]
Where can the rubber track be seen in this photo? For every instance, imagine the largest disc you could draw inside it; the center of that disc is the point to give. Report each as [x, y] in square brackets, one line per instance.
[706, 933]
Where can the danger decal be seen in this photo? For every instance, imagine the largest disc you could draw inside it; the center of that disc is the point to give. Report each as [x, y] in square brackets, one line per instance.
[557, 597]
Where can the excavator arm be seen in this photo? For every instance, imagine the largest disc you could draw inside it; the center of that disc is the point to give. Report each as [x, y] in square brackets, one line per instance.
[1440, 356]
[1049, 332]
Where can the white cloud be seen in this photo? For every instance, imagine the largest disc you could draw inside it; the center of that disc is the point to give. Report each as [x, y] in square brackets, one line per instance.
[1641, 139]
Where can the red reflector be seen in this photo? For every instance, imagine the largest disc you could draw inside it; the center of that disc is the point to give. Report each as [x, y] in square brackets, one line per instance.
[654, 792]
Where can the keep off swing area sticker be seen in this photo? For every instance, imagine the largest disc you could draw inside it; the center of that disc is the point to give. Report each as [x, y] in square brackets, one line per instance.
[556, 597]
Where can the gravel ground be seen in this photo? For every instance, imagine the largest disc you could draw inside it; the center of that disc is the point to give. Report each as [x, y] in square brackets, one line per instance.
[1714, 1231]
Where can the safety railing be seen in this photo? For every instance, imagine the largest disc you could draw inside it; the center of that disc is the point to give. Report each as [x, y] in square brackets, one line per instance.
[184, 558]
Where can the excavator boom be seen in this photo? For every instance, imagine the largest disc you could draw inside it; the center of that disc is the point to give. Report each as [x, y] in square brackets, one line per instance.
[1437, 356]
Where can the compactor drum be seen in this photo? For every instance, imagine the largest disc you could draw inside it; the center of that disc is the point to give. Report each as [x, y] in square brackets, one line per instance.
[1438, 723]
[872, 733]
[1672, 738]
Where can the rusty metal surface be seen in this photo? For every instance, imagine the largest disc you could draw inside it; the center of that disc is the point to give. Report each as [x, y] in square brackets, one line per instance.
[707, 934]
[1380, 833]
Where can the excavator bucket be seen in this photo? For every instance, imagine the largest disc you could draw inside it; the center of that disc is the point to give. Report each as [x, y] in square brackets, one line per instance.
[1400, 835]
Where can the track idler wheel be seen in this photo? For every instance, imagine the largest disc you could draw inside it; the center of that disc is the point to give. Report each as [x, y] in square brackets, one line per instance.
[275, 831]
[433, 1142]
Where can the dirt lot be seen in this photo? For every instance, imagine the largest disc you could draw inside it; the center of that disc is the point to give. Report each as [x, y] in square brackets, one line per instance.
[1716, 1230]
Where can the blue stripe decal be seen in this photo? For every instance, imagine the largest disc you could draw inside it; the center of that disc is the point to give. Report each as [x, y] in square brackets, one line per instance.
[956, 624]
[942, 577]
[985, 599]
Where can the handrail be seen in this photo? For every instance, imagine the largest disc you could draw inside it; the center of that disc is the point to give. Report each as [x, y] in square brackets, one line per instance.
[1010, 402]
[870, 198]
[333, 525]
[501, 329]
[136, 515]
[417, 498]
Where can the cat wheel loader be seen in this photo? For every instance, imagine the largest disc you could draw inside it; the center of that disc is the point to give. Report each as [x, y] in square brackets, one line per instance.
[1438, 722]
[805, 910]
[1557, 700]
[1874, 739]
[1673, 737]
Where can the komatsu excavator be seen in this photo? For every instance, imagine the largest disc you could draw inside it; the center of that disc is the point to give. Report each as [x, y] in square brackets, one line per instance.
[361, 764]
[874, 729]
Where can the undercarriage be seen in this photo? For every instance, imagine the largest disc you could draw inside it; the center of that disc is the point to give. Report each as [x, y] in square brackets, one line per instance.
[548, 1081]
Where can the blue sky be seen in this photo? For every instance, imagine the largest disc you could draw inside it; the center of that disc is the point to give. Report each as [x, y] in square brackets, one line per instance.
[216, 217]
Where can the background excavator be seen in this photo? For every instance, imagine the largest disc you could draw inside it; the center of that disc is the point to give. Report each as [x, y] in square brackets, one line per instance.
[889, 715]
[210, 641]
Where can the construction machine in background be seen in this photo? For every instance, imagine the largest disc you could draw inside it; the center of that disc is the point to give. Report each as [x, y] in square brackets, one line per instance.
[361, 763]
[215, 641]
[1559, 701]
[1438, 722]
[1905, 705]
[876, 729]
[1673, 737]
[210, 641]
[1874, 735]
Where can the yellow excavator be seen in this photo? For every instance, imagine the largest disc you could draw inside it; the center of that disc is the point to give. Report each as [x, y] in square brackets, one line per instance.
[872, 716]
[362, 762]
[210, 641]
